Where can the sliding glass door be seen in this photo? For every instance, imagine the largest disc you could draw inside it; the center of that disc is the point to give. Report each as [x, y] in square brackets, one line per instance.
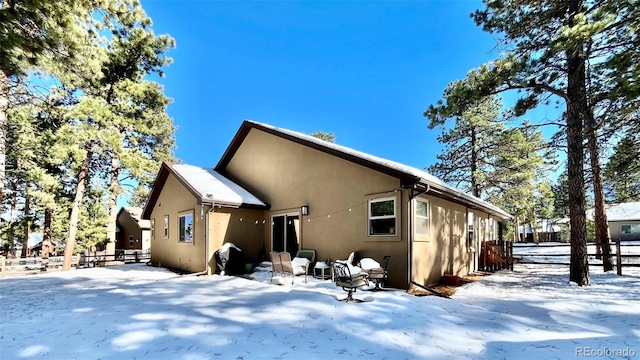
[285, 230]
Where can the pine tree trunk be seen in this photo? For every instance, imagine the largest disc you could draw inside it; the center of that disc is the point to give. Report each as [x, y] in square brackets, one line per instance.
[27, 226]
[600, 213]
[12, 218]
[46, 237]
[576, 107]
[534, 230]
[83, 176]
[516, 233]
[4, 108]
[475, 189]
[113, 207]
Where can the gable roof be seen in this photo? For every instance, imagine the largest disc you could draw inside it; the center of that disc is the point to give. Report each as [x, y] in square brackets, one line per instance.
[408, 176]
[624, 212]
[136, 215]
[206, 185]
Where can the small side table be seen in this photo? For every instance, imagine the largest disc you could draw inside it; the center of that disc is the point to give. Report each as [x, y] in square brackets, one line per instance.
[322, 270]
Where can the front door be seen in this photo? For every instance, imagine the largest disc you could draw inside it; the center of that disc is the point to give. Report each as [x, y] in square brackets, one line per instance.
[285, 230]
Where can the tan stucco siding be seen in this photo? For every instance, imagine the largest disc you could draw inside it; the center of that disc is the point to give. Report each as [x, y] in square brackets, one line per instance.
[242, 227]
[129, 227]
[615, 229]
[288, 175]
[436, 254]
[173, 201]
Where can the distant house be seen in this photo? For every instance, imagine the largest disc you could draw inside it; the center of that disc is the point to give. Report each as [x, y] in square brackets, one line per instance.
[624, 221]
[276, 189]
[132, 232]
[548, 230]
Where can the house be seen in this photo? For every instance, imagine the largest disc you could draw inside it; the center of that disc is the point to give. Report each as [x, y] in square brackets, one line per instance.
[132, 232]
[624, 221]
[276, 189]
[548, 230]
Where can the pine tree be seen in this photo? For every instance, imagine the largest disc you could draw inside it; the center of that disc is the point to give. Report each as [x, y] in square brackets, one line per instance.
[118, 124]
[550, 46]
[622, 172]
[472, 144]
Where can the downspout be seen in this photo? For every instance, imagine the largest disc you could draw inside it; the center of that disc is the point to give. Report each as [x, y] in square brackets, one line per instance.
[411, 232]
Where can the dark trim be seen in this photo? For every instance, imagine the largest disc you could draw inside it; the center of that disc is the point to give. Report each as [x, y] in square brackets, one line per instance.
[406, 180]
[156, 188]
[444, 194]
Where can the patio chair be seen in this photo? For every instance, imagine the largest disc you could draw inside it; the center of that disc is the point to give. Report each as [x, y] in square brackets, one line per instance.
[276, 264]
[283, 264]
[349, 283]
[349, 260]
[378, 275]
[307, 254]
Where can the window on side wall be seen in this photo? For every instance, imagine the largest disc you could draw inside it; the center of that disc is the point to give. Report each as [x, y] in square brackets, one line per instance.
[185, 227]
[382, 217]
[165, 227]
[130, 240]
[422, 217]
[153, 228]
[630, 229]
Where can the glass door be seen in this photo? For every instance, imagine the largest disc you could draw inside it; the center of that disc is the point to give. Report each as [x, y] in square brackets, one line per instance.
[285, 230]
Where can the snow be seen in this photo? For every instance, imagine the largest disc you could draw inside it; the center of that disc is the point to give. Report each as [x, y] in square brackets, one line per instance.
[211, 185]
[409, 170]
[140, 312]
[624, 212]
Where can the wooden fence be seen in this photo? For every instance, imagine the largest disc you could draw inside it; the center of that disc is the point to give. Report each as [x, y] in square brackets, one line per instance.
[36, 265]
[496, 255]
[622, 260]
[33, 265]
[120, 257]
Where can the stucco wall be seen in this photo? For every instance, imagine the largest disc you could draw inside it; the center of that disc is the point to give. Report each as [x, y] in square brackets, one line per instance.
[174, 200]
[446, 249]
[242, 227]
[616, 231]
[288, 175]
[128, 227]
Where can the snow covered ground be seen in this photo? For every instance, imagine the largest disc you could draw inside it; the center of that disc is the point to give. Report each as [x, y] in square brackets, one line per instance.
[140, 312]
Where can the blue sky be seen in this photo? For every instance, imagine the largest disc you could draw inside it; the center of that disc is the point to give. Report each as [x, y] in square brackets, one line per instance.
[364, 70]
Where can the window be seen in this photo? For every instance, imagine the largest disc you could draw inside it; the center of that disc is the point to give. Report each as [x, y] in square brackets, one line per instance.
[165, 227]
[630, 229]
[130, 240]
[471, 240]
[422, 217]
[382, 216]
[153, 228]
[185, 228]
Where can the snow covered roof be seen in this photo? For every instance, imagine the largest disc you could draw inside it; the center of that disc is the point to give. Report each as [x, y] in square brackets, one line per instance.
[408, 173]
[206, 185]
[214, 187]
[136, 215]
[624, 212]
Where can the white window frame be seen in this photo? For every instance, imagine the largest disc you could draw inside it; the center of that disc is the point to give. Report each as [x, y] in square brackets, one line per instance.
[426, 217]
[383, 217]
[180, 217]
[165, 227]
